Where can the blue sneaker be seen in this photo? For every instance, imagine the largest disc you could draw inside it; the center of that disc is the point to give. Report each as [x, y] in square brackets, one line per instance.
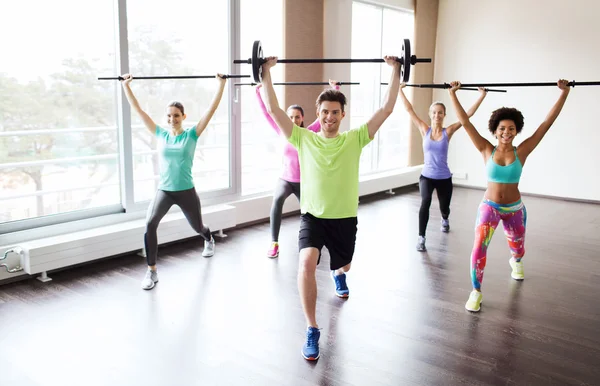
[341, 288]
[310, 350]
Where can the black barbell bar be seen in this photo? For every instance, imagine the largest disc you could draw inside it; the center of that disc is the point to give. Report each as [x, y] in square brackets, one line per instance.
[485, 88]
[177, 77]
[406, 60]
[533, 84]
[462, 88]
[301, 84]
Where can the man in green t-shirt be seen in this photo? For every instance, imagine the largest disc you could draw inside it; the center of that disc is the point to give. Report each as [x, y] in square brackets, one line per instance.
[328, 188]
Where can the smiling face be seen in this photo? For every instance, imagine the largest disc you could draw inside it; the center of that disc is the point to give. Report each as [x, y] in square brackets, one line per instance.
[330, 116]
[175, 117]
[437, 113]
[506, 131]
[330, 110]
[505, 123]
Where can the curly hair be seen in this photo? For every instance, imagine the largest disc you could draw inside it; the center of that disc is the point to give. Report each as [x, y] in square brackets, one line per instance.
[508, 113]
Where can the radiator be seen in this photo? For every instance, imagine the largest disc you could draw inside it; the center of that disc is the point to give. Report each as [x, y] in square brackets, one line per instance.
[42, 255]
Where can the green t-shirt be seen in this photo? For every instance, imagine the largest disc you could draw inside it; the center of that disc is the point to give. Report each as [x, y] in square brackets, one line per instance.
[176, 157]
[329, 171]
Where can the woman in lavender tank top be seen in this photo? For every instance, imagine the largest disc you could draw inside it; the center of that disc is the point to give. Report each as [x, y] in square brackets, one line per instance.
[435, 174]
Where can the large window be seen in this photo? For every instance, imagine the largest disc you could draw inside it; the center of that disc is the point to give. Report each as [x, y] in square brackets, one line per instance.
[61, 155]
[379, 31]
[58, 134]
[261, 146]
[69, 149]
[195, 42]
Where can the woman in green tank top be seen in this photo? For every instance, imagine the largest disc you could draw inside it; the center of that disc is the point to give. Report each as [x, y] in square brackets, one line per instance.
[176, 148]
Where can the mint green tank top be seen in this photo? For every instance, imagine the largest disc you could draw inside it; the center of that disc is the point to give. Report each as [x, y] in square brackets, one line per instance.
[176, 158]
[509, 174]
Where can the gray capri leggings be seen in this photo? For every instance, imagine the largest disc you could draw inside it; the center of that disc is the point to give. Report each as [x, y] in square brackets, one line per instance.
[189, 203]
[283, 190]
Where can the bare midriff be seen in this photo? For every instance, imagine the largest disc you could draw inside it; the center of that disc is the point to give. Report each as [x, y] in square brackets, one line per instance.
[502, 193]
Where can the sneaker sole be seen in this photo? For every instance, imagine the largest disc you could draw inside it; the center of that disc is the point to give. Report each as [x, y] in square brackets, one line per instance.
[273, 256]
[208, 254]
[310, 358]
[470, 310]
[517, 278]
[149, 288]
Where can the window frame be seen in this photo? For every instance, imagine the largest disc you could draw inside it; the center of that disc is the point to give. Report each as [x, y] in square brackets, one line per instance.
[125, 140]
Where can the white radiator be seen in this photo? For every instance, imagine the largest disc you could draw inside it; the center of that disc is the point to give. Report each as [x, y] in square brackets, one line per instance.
[42, 255]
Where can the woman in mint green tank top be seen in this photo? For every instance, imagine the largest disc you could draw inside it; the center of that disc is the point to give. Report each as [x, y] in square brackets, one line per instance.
[176, 148]
[502, 200]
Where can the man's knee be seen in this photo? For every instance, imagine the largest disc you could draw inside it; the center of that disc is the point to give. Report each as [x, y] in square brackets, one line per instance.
[309, 257]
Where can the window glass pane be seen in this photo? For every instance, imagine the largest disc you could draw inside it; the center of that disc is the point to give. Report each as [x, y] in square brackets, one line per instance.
[394, 133]
[366, 43]
[261, 146]
[379, 31]
[58, 135]
[194, 42]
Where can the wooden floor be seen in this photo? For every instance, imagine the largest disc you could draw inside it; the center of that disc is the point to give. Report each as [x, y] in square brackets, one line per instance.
[235, 319]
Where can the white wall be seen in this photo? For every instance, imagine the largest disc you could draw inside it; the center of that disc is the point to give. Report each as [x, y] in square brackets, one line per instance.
[527, 41]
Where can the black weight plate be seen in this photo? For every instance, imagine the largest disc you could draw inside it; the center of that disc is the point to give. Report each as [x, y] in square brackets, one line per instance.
[406, 62]
[257, 59]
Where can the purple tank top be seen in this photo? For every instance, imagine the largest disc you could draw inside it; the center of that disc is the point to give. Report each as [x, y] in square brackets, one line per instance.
[436, 157]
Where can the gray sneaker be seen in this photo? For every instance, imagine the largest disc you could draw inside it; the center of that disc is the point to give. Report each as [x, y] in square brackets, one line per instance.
[421, 244]
[209, 248]
[150, 279]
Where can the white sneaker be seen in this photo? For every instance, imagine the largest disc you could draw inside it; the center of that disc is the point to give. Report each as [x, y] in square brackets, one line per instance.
[209, 248]
[421, 244]
[445, 225]
[150, 279]
[517, 269]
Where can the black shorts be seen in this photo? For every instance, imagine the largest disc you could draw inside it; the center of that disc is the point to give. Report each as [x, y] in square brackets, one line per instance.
[338, 235]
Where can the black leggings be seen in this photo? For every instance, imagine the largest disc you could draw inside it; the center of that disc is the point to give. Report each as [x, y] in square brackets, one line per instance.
[189, 203]
[444, 193]
[283, 189]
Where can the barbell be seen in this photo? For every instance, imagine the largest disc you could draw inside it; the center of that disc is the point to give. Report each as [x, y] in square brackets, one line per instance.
[177, 77]
[462, 88]
[301, 84]
[406, 60]
[539, 84]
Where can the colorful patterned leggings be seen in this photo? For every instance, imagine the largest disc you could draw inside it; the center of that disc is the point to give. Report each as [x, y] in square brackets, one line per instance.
[489, 214]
